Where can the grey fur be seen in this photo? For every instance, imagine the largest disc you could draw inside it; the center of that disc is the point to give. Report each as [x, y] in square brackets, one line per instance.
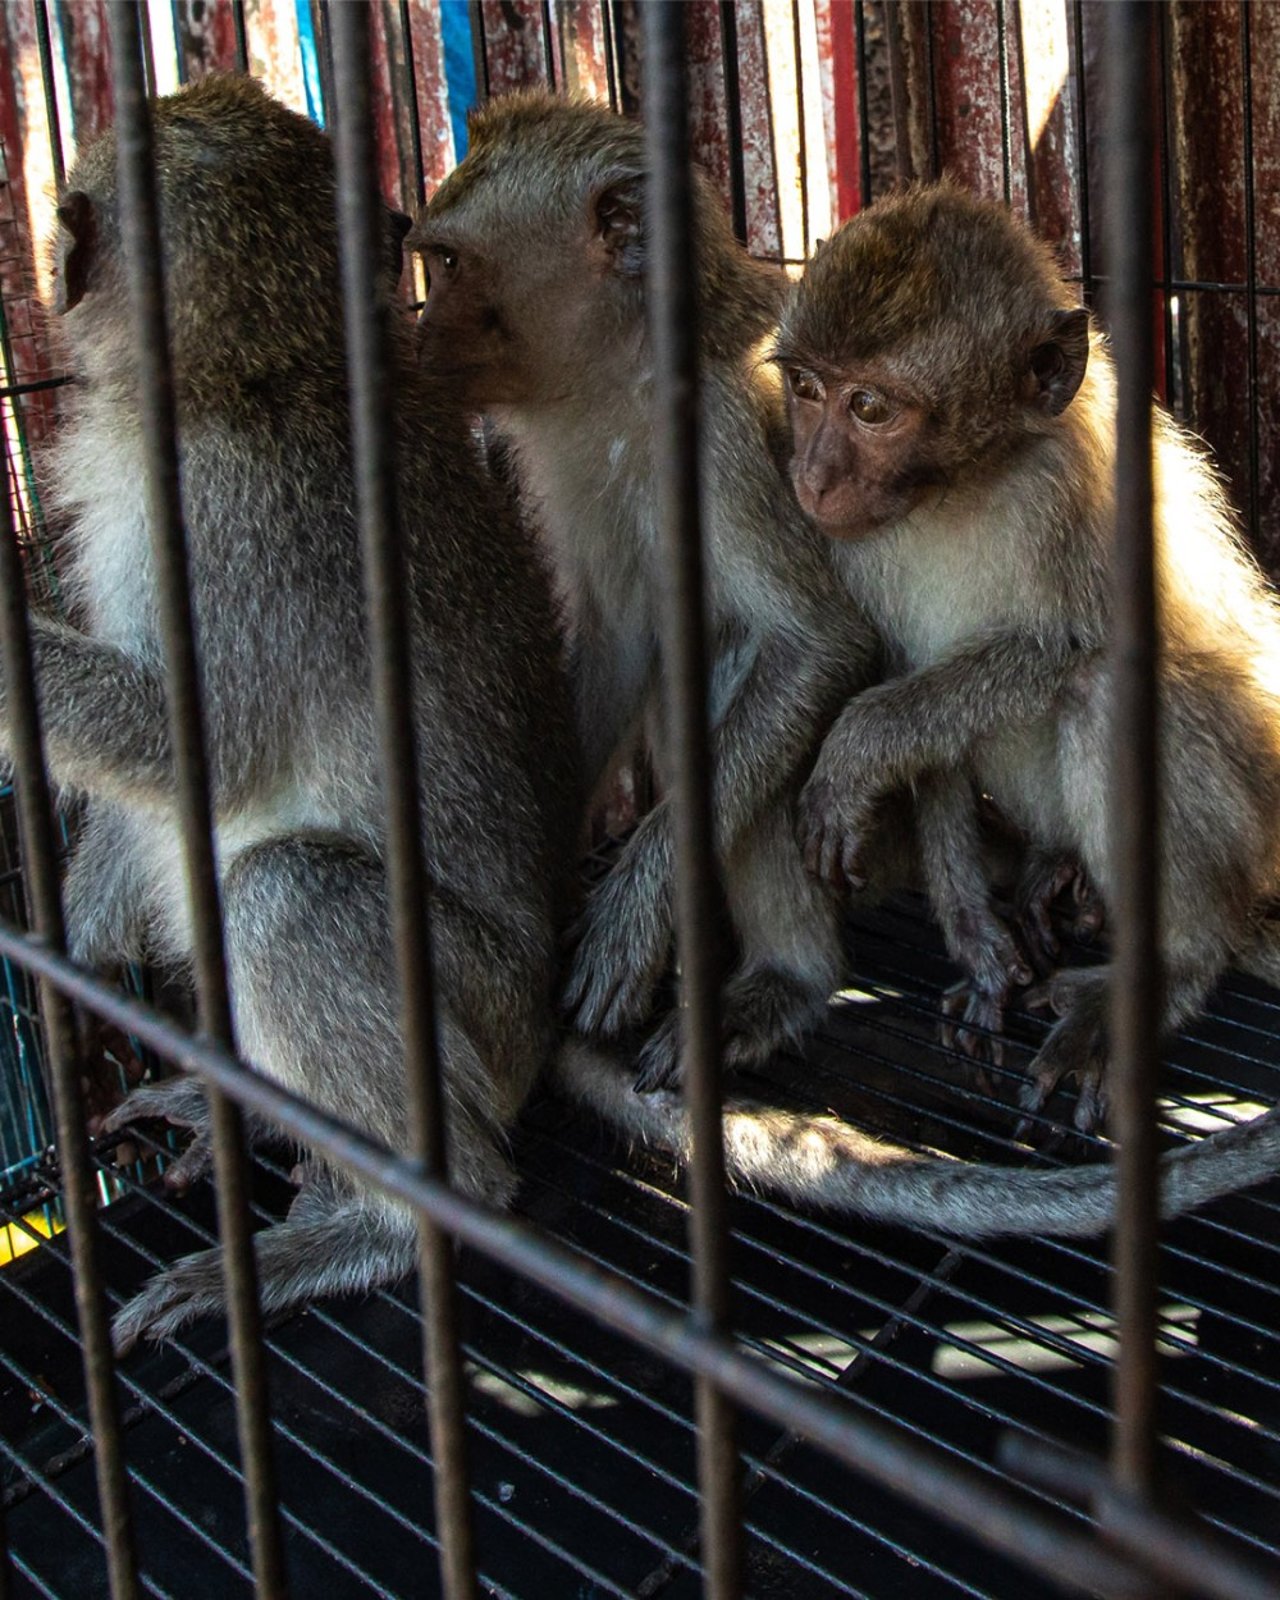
[567, 381]
[994, 597]
[248, 206]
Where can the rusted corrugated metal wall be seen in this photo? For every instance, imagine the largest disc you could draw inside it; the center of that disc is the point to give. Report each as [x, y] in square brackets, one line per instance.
[802, 110]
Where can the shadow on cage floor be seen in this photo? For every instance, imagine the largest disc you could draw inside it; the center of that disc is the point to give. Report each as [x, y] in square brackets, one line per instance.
[582, 1454]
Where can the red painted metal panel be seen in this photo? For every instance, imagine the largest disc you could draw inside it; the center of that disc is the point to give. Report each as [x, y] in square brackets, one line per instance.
[582, 59]
[396, 179]
[21, 105]
[759, 170]
[432, 90]
[707, 123]
[967, 93]
[1052, 123]
[86, 41]
[515, 44]
[838, 42]
[1209, 151]
[206, 37]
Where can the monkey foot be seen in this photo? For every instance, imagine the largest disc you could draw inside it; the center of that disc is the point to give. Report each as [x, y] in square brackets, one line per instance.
[1076, 1048]
[1040, 895]
[763, 1009]
[974, 1020]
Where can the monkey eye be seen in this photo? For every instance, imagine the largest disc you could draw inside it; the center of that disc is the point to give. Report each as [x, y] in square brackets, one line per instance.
[804, 385]
[448, 259]
[868, 406]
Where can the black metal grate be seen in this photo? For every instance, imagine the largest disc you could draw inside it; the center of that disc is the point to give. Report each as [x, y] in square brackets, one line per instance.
[581, 1443]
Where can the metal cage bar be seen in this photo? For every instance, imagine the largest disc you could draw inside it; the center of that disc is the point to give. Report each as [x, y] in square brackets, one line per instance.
[363, 249]
[1143, 1538]
[887, 1453]
[673, 314]
[1134, 821]
[140, 238]
[39, 853]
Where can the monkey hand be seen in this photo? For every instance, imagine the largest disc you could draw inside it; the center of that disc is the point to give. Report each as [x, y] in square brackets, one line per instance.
[623, 940]
[834, 823]
[181, 1103]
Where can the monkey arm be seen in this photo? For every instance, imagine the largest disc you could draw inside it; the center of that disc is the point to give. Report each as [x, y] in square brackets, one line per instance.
[770, 725]
[932, 718]
[103, 714]
[928, 720]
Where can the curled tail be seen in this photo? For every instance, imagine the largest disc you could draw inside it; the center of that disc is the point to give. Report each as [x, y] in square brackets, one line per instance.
[822, 1160]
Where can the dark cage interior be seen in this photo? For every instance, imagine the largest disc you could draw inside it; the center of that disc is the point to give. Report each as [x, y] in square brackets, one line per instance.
[904, 1398]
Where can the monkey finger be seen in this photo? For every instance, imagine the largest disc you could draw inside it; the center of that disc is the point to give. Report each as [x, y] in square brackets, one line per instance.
[1090, 1112]
[1048, 996]
[658, 1065]
[851, 866]
[193, 1164]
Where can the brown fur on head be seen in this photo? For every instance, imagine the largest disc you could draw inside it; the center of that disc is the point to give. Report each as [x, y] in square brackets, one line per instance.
[928, 339]
[249, 232]
[536, 249]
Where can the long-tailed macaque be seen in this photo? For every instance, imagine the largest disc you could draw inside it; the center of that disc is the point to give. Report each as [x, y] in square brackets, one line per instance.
[536, 252]
[954, 419]
[248, 216]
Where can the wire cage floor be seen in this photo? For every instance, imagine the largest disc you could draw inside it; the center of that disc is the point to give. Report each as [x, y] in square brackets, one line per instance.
[582, 1444]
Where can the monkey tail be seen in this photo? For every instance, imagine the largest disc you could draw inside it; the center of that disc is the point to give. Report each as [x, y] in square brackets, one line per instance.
[821, 1160]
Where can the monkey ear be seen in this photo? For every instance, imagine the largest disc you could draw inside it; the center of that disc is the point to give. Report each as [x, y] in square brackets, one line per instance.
[617, 221]
[1057, 365]
[398, 230]
[75, 249]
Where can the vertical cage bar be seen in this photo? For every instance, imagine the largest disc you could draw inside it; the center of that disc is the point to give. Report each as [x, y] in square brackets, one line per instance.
[896, 48]
[1171, 384]
[864, 112]
[476, 13]
[242, 35]
[372, 402]
[673, 320]
[931, 92]
[733, 121]
[415, 124]
[50, 90]
[1250, 264]
[80, 1198]
[1006, 132]
[1082, 149]
[324, 58]
[554, 79]
[610, 54]
[1134, 802]
[140, 240]
[802, 153]
[144, 41]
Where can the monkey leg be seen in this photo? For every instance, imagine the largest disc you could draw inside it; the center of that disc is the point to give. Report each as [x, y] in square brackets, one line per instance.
[105, 892]
[315, 995]
[314, 991]
[623, 941]
[976, 938]
[336, 1240]
[788, 931]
